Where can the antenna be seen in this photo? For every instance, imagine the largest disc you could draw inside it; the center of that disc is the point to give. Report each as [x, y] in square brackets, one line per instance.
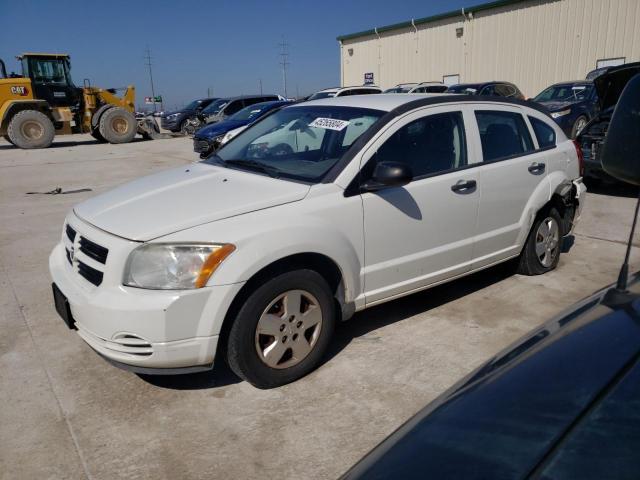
[284, 63]
[153, 93]
[624, 270]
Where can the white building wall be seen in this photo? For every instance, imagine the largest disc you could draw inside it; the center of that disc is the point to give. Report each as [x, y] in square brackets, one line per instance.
[533, 44]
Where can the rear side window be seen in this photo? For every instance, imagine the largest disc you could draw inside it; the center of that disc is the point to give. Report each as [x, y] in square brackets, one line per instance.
[429, 145]
[503, 134]
[544, 133]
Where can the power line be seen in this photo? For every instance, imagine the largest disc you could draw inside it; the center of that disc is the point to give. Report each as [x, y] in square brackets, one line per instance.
[284, 63]
[153, 93]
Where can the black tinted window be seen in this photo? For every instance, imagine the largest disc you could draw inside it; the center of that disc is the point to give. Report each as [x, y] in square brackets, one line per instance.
[429, 145]
[503, 134]
[489, 90]
[234, 107]
[544, 133]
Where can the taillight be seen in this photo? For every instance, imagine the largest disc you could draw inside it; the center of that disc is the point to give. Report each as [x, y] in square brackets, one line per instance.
[580, 156]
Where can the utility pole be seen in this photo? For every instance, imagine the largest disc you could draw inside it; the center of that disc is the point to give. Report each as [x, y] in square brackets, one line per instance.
[284, 63]
[260, 82]
[209, 90]
[153, 93]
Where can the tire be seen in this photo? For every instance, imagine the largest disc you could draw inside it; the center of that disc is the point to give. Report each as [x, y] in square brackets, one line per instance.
[185, 127]
[31, 129]
[535, 258]
[262, 355]
[117, 125]
[6, 137]
[578, 125]
[96, 134]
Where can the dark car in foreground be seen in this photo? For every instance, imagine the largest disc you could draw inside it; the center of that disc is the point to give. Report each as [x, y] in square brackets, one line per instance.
[609, 87]
[570, 104]
[496, 88]
[562, 403]
[177, 121]
[211, 137]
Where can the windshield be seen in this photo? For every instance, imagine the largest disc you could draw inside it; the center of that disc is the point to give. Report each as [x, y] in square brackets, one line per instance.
[214, 107]
[565, 93]
[403, 89]
[318, 95]
[52, 71]
[300, 143]
[193, 105]
[467, 89]
[251, 112]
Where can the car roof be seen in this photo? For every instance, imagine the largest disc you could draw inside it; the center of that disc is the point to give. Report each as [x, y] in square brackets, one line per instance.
[573, 82]
[340, 89]
[242, 97]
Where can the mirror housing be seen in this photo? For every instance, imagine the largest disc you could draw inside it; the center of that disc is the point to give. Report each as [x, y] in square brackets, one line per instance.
[388, 174]
[620, 155]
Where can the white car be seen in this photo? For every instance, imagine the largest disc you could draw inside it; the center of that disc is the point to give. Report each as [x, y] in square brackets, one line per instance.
[345, 92]
[423, 87]
[315, 212]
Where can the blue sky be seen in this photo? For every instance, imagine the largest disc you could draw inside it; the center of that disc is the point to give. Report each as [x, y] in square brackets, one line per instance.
[223, 45]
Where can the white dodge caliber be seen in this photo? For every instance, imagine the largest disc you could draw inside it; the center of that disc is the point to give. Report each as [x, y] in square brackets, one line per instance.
[315, 212]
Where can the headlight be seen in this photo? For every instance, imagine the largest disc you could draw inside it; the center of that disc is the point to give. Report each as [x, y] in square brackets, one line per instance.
[561, 113]
[228, 136]
[173, 266]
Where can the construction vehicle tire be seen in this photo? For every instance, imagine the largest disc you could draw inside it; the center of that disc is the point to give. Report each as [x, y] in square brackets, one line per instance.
[117, 125]
[31, 129]
[6, 137]
[95, 133]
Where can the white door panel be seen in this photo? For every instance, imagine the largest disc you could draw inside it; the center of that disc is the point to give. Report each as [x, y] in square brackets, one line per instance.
[421, 233]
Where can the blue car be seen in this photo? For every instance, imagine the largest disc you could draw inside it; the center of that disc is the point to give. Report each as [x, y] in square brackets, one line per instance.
[570, 104]
[211, 137]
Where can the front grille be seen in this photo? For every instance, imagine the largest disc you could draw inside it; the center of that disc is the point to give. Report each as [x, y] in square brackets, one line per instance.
[93, 250]
[89, 273]
[71, 233]
[201, 146]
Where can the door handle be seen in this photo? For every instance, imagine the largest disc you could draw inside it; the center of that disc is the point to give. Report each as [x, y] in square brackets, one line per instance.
[536, 168]
[464, 186]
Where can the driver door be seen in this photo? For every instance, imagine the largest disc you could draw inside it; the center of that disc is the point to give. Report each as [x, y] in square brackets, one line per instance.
[422, 233]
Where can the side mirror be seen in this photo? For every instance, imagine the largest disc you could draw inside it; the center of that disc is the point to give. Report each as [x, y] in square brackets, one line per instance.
[620, 155]
[388, 174]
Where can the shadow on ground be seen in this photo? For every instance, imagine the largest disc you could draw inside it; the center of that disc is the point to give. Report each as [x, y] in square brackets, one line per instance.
[611, 187]
[361, 324]
[67, 144]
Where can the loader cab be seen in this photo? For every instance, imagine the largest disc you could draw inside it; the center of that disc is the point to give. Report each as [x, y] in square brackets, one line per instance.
[51, 78]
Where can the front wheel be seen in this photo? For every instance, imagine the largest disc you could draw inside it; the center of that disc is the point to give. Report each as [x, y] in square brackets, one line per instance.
[578, 125]
[283, 329]
[541, 251]
[118, 125]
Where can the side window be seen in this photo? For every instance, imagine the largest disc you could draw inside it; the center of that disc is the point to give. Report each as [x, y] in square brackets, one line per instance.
[544, 133]
[419, 90]
[233, 107]
[503, 134]
[429, 145]
[435, 89]
[345, 93]
[489, 90]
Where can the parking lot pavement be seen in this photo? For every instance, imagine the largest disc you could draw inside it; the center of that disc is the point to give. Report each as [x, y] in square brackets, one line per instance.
[66, 413]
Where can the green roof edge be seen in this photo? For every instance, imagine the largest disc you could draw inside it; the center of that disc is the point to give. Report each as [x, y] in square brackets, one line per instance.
[432, 18]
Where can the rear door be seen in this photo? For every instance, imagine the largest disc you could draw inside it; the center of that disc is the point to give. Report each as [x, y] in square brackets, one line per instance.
[512, 180]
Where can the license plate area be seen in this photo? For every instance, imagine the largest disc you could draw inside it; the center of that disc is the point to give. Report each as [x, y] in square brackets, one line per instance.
[62, 307]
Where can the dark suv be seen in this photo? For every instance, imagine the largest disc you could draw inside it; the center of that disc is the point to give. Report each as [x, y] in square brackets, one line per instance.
[177, 121]
[499, 89]
[225, 107]
[570, 104]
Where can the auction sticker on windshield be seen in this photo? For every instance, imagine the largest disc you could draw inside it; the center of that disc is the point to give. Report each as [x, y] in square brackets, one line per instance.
[329, 124]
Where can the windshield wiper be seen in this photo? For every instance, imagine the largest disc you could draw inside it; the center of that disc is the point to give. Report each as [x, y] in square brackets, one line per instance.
[252, 164]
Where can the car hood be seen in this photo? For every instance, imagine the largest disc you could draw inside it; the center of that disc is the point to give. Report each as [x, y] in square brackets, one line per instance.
[510, 415]
[184, 197]
[555, 106]
[220, 128]
[610, 85]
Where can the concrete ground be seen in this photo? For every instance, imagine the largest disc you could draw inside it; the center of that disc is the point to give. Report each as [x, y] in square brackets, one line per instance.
[66, 413]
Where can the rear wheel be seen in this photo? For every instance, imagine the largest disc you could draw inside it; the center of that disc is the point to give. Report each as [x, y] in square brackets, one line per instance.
[117, 125]
[31, 129]
[283, 329]
[541, 252]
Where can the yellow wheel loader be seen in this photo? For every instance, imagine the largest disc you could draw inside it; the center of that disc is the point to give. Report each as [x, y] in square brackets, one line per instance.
[44, 101]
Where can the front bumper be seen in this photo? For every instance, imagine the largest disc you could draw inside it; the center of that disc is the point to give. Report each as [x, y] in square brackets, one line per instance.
[137, 328]
[203, 146]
